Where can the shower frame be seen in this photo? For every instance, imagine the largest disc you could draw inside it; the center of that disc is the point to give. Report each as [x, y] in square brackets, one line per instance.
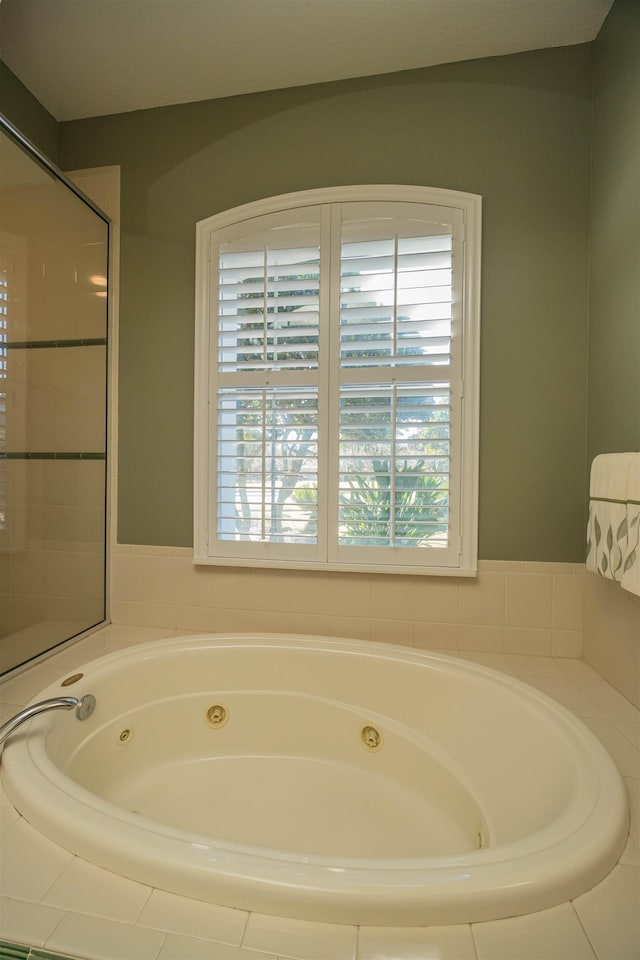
[112, 237]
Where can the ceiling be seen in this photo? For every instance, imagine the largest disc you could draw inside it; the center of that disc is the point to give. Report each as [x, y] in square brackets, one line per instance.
[84, 58]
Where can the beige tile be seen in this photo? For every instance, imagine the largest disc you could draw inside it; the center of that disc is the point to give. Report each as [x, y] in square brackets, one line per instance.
[554, 934]
[435, 636]
[610, 916]
[85, 888]
[344, 595]
[144, 614]
[207, 921]
[146, 579]
[126, 634]
[625, 679]
[30, 862]
[478, 637]
[416, 943]
[8, 813]
[542, 566]
[436, 599]
[300, 939]
[207, 619]
[528, 600]
[528, 641]
[149, 550]
[392, 631]
[497, 661]
[348, 627]
[566, 643]
[81, 570]
[534, 666]
[577, 670]
[308, 592]
[98, 939]
[122, 549]
[596, 597]
[211, 586]
[567, 693]
[186, 948]
[22, 687]
[625, 756]
[614, 705]
[633, 792]
[566, 609]
[393, 598]
[502, 566]
[630, 730]
[24, 922]
[482, 601]
[305, 624]
[184, 553]
[631, 853]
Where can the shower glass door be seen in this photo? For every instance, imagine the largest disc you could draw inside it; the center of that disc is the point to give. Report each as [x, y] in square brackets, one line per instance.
[53, 406]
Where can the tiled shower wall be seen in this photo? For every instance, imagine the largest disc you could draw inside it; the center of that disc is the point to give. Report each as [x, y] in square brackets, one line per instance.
[535, 609]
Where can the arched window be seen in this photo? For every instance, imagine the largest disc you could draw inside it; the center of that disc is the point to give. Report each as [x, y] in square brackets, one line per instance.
[337, 349]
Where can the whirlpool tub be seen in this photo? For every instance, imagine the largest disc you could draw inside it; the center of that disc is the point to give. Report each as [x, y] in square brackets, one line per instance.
[323, 779]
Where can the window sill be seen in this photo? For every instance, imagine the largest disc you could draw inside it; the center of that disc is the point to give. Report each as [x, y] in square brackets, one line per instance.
[430, 571]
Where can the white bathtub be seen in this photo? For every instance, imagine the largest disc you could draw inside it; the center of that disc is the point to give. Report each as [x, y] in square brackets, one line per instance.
[469, 796]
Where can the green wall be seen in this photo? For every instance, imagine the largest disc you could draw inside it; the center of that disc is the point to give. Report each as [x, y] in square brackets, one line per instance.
[614, 329]
[515, 129]
[21, 108]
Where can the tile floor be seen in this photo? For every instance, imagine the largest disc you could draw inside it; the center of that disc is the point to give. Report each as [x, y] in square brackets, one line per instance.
[51, 899]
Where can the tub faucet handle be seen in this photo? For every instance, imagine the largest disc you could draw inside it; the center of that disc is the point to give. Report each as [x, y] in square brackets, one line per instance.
[84, 709]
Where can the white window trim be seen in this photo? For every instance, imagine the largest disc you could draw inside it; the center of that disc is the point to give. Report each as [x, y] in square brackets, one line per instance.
[470, 206]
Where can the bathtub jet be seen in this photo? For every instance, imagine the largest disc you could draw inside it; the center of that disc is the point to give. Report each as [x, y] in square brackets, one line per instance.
[323, 779]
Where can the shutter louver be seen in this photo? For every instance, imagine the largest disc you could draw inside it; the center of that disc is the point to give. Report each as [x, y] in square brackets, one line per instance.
[395, 300]
[394, 465]
[268, 465]
[269, 308]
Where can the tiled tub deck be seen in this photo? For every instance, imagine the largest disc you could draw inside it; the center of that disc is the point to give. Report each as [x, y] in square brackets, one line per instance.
[55, 904]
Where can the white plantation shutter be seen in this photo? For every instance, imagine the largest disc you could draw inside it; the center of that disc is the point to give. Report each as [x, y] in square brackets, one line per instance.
[330, 356]
[265, 315]
[395, 398]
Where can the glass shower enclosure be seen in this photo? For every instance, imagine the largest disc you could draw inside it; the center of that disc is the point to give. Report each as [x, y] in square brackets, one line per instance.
[54, 255]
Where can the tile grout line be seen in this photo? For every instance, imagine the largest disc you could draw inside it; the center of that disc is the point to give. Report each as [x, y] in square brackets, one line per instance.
[245, 928]
[145, 902]
[473, 941]
[584, 929]
[162, 943]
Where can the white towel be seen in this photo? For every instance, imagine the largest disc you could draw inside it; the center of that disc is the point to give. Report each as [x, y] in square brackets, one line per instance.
[633, 479]
[613, 531]
[606, 538]
[610, 474]
[630, 579]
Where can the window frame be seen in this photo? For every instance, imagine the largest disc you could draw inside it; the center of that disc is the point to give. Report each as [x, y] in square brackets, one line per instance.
[469, 207]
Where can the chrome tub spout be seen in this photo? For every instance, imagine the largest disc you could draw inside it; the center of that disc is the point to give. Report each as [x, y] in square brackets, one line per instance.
[84, 709]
